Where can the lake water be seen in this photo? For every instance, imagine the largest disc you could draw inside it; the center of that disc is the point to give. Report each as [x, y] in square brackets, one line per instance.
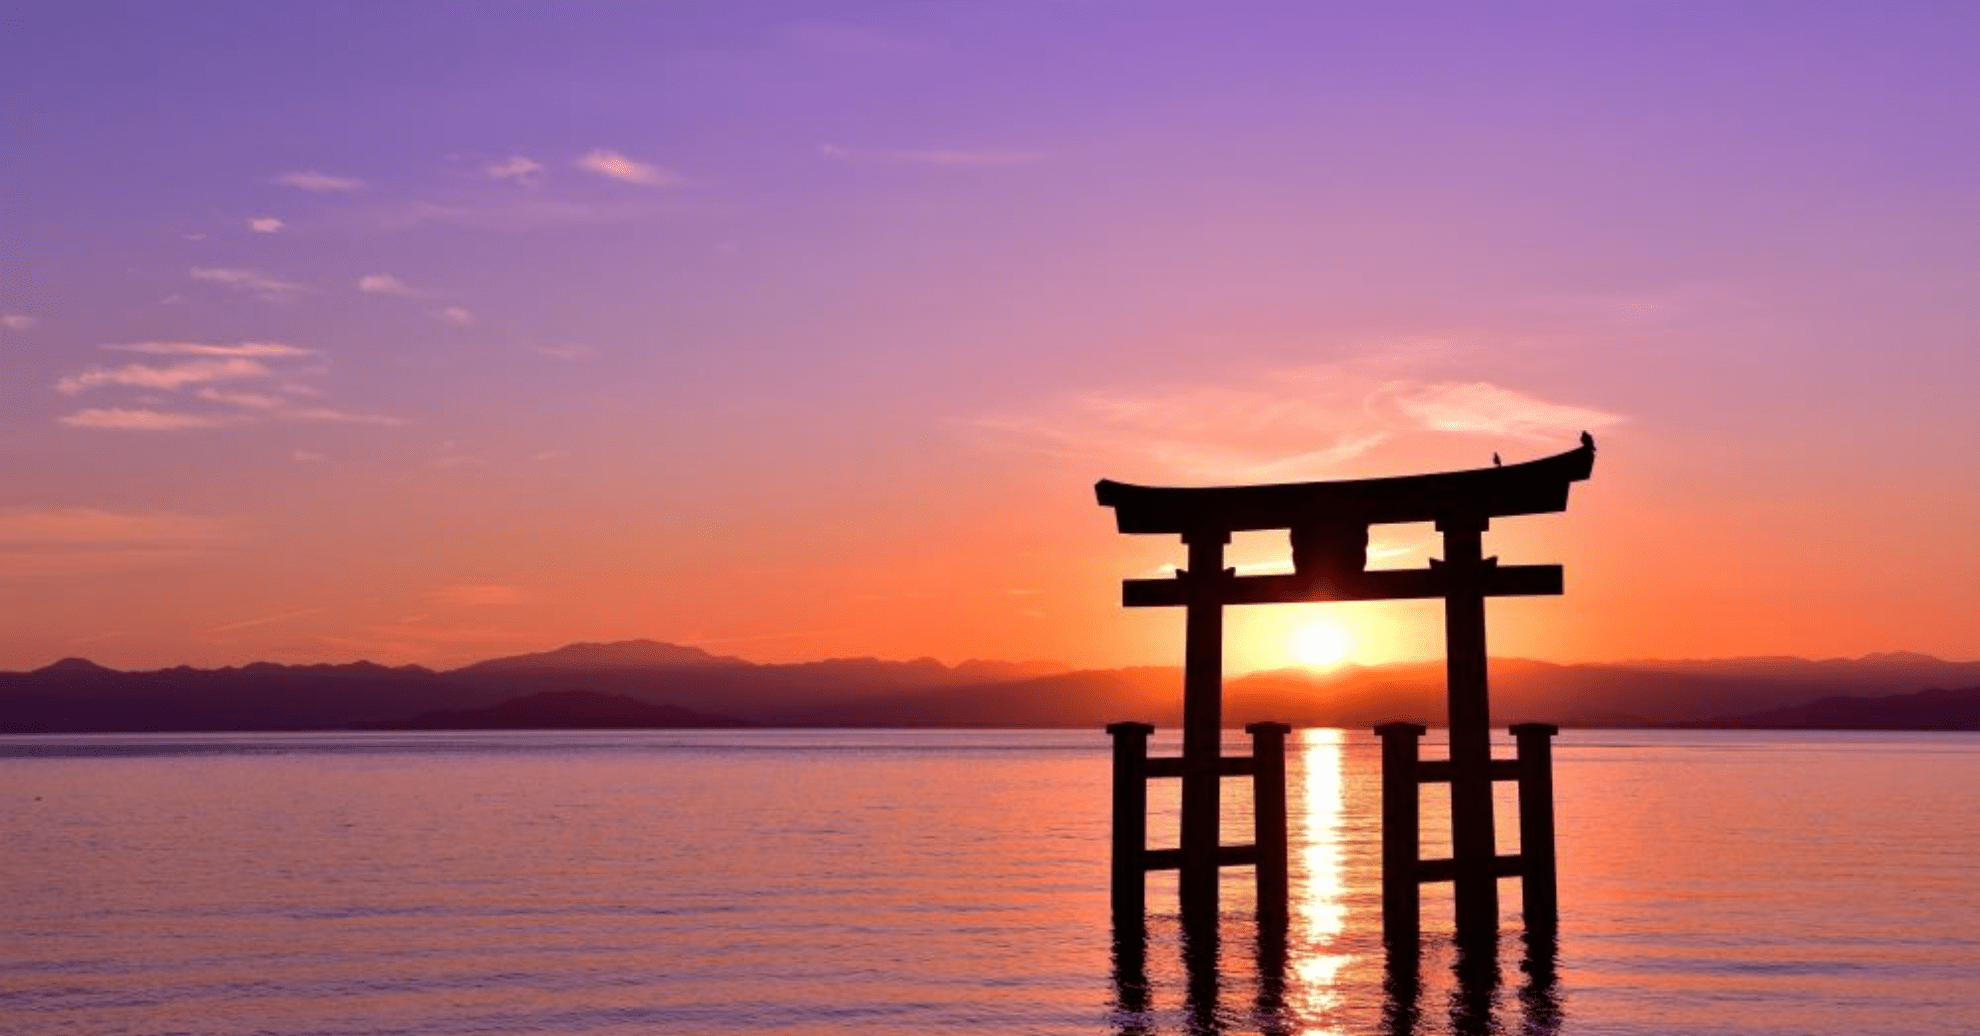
[942, 882]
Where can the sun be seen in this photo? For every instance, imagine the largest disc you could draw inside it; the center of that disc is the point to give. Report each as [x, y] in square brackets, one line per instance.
[1320, 642]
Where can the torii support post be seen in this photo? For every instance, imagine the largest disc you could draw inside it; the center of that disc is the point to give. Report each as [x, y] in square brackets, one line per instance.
[1130, 818]
[1268, 810]
[1203, 722]
[1539, 881]
[1402, 909]
[1473, 837]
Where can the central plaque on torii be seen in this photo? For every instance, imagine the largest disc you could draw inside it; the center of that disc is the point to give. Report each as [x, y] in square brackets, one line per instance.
[1328, 524]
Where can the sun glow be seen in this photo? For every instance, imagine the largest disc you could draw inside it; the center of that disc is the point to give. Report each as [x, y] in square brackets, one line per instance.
[1320, 642]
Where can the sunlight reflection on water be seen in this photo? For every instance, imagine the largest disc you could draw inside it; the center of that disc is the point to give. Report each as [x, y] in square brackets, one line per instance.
[1320, 905]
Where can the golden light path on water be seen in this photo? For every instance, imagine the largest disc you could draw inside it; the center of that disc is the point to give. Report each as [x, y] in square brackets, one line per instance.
[1319, 906]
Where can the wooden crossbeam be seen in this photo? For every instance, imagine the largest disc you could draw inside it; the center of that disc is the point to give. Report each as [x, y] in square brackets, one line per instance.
[1227, 856]
[1503, 866]
[1379, 585]
[1438, 771]
[1177, 766]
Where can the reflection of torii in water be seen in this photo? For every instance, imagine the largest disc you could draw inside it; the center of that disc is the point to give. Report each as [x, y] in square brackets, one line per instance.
[1328, 523]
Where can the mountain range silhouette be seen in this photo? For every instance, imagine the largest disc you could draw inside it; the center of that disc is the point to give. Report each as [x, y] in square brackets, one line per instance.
[646, 683]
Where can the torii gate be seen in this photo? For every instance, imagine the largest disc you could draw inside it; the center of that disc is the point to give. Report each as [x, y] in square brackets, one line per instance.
[1328, 524]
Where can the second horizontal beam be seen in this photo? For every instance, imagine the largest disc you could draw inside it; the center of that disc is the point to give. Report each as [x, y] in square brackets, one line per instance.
[1177, 766]
[1447, 870]
[1227, 856]
[1438, 771]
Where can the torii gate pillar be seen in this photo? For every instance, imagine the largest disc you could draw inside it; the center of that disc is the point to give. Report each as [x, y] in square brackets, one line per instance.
[1473, 837]
[1203, 722]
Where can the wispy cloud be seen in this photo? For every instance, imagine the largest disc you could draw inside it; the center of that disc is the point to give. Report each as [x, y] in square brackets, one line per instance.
[252, 349]
[982, 157]
[568, 351]
[124, 419]
[385, 284]
[612, 164]
[89, 525]
[247, 400]
[312, 180]
[16, 321]
[178, 375]
[201, 376]
[266, 225]
[1482, 409]
[985, 157]
[455, 315]
[479, 595]
[58, 542]
[517, 169]
[264, 620]
[270, 288]
[334, 416]
[20, 565]
[515, 213]
[1302, 422]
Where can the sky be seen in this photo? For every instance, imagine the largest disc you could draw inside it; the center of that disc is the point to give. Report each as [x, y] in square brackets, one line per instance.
[425, 333]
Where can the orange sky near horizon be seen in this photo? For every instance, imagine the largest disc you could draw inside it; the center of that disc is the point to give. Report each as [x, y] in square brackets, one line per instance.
[804, 331]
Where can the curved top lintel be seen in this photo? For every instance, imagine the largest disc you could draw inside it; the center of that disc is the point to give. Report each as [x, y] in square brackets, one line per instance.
[1534, 487]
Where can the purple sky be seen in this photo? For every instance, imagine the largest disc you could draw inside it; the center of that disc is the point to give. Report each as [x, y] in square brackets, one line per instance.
[426, 332]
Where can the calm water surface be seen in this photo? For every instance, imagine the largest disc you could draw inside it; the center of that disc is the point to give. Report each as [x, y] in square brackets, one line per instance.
[941, 882]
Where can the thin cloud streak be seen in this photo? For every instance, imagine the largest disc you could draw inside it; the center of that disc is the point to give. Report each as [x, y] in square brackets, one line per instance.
[249, 349]
[516, 168]
[334, 416]
[263, 620]
[142, 375]
[312, 180]
[142, 420]
[211, 365]
[617, 166]
[269, 288]
[91, 525]
[513, 215]
[249, 400]
[385, 284]
[1482, 409]
[981, 157]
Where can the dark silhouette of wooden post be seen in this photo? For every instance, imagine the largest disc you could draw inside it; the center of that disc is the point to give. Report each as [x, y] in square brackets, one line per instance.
[1473, 840]
[1130, 818]
[1328, 525]
[1538, 873]
[1203, 722]
[1268, 803]
[1402, 911]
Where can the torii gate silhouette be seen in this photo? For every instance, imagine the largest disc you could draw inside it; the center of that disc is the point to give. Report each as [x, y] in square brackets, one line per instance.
[1328, 526]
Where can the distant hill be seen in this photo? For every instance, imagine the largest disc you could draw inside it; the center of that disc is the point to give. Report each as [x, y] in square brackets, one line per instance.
[564, 710]
[77, 695]
[581, 658]
[1924, 710]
